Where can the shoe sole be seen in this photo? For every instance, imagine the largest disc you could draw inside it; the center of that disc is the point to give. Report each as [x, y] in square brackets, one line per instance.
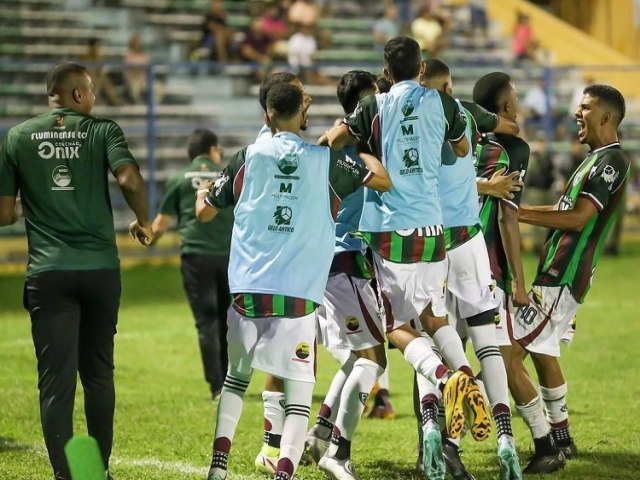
[433, 464]
[455, 391]
[481, 427]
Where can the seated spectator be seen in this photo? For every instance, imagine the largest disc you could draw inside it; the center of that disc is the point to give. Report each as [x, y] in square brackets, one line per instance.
[136, 76]
[274, 25]
[427, 30]
[405, 15]
[216, 35]
[304, 13]
[386, 27]
[104, 88]
[301, 50]
[256, 47]
[524, 44]
[536, 104]
[478, 14]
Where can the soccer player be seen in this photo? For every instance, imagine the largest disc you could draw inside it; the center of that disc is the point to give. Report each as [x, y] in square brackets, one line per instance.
[578, 225]
[469, 284]
[59, 163]
[204, 252]
[496, 93]
[351, 321]
[283, 190]
[406, 128]
[273, 393]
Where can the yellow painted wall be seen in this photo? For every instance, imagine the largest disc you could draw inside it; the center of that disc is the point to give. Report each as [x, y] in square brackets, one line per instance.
[569, 45]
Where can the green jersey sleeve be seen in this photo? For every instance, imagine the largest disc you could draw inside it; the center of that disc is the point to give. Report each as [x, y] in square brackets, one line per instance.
[518, 153]
[346, 175]
[118, 152]
[485, 120]
[606, 177]
[227, 188]
[455, 118]
[8, 168]
[170, 203]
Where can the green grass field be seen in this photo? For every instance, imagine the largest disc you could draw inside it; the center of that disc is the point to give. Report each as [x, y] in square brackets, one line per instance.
[165, 421]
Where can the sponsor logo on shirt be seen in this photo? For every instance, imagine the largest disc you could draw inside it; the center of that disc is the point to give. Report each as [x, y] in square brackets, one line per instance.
[352, 324]
[303, 351]
[281, 220]
[220, 182]
[609, 175]
[288, 163]
[61, 176]
[411, 158]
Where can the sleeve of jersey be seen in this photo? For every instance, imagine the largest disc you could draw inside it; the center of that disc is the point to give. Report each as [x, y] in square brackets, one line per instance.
[485, 120]
[170, 202]
[455, 118]
[360, 122]
[118, 152]
[226, 189]
[8, 170]
[604, 182]
[346, 175]
[518, 153]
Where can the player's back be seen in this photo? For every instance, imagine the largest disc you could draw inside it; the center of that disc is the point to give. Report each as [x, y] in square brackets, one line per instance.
[493, 153]
[62, 159]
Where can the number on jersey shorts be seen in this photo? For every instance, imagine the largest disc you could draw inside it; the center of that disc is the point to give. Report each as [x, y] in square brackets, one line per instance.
[540, 326]
[282, 346]
[504, 319]
[408, 288]
[469, 278]
[351, 319]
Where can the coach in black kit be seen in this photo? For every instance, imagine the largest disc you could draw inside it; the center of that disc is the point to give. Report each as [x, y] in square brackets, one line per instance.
[59, 163]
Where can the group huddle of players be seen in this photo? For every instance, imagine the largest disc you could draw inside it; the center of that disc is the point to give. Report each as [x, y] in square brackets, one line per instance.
[401, 224]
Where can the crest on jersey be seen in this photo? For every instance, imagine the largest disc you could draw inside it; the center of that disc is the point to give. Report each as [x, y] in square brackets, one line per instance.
[220, 183]
[411, 157]
[288, 163]
[60, 123]
[282, 215]
[408, 108]
[609, 174]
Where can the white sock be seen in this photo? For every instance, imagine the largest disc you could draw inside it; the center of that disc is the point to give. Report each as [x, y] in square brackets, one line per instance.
[383, 381]
[494, 374]
[331, 402]
[555, 401]
[298, 405]
[420, 356]
[364, 375]
[229, 411]
[533, 415]
[449, 345]
[273, 403]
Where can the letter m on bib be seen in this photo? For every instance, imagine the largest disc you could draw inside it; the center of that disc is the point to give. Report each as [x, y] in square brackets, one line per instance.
[285, 187]
[407, 129]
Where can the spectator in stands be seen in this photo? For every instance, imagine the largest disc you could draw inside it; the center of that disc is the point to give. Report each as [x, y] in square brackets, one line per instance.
[274, 25]
[256, 48]
[405, 14]
[536, 104]
[304, 13]
[524, 44]
[428, 29]
[301, 50]
[216, 35]
[478, 18]
[104, 88]
[135, 76]
[386, 27]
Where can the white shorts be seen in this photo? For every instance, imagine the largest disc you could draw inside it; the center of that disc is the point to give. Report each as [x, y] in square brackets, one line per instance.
[352, 319]
[284, 347]
[408, 288]
[469, 282]
[504, 319]
[540, 326]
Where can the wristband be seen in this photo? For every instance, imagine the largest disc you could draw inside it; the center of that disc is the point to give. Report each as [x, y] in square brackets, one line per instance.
[199, 191]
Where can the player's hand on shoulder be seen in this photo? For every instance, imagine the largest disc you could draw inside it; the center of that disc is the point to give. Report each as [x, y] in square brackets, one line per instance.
[504, 186]
[142, 233]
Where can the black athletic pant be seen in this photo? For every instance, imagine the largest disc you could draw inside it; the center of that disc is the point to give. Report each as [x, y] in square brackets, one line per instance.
[207, 287]
[73, 321]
